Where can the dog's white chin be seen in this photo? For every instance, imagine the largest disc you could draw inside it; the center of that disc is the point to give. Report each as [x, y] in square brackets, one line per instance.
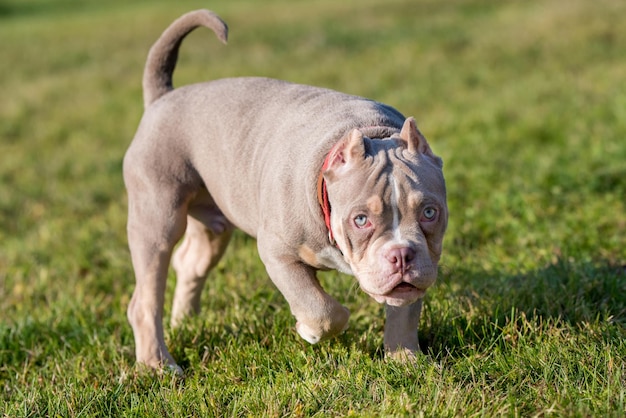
[402, 297]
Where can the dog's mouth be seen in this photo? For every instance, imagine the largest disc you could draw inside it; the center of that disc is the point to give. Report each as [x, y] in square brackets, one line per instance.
[402, 294]
[403, 287]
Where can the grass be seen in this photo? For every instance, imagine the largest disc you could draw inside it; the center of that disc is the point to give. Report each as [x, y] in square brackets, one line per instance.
[524, 100]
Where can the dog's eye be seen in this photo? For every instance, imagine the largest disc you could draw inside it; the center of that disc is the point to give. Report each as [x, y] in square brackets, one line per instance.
[361, 221]
[429, 214]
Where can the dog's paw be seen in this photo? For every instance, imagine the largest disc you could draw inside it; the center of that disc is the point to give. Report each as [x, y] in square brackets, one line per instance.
[160, 369]
[408, 357]
[317, 329]
[308, 334]
[402, 355]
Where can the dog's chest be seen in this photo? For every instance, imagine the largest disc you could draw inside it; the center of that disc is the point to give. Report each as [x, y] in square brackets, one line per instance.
[331, 257]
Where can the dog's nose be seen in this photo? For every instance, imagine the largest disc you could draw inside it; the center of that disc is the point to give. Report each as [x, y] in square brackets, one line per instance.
[400, 257]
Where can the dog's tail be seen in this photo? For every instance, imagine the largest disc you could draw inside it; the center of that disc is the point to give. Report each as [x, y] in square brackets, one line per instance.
[157, 75]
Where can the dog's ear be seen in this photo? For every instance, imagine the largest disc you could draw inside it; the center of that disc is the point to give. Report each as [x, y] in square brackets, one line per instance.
[355, 148]
[350, 149]
[415, 141]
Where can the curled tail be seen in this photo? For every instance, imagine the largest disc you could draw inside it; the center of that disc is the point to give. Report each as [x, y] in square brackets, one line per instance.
[157, 75]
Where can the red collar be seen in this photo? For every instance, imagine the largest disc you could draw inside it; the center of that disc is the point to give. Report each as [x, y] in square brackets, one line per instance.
[322, 194]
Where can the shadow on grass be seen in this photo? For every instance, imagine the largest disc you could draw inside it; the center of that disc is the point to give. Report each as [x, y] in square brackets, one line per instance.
[37, 7]
[566, 292]
[20, 8]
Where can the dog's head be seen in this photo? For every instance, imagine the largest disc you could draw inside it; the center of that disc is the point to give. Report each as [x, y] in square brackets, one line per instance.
[389, 212]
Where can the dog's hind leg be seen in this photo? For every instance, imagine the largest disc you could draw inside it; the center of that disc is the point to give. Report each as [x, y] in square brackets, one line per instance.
[151, 243]
[206, 238]
[157, 217]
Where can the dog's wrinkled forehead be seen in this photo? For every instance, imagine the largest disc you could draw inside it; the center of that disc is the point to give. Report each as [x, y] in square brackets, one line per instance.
[387, 157]
[388, 173]
[359, 167]
[374, 147]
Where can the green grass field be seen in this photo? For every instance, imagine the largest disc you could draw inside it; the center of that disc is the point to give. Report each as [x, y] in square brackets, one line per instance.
[525, 101]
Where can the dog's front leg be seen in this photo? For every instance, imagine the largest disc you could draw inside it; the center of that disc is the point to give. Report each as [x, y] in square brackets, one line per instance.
[319, 316]
[401, 326]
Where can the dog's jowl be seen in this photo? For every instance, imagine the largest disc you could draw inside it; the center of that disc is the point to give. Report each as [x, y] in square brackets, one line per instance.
[321, 179]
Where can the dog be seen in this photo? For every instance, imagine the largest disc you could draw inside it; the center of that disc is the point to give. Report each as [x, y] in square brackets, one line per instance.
[323, 180]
